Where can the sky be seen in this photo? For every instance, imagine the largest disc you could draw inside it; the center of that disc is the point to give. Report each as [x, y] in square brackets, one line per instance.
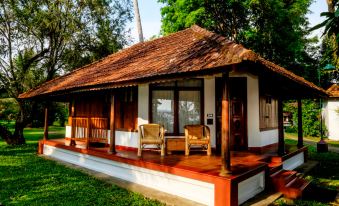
[151, 17]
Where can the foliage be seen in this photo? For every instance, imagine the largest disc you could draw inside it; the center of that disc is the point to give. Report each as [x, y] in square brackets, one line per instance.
[50, 183]
[329, 47]
[57, 112]
[324, 175]
[310, 117]
[275, 29]
[8, 109]
[42, 39]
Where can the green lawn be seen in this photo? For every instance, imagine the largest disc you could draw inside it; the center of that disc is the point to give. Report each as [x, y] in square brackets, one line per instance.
[27, 179]
[313, 139]
[325, 175]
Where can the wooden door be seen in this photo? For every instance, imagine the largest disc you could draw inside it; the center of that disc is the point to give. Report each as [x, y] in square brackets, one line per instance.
[238, 112]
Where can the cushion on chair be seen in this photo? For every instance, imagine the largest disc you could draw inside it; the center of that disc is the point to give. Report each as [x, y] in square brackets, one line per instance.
[152, 141]
[195, 132]
[151, 132]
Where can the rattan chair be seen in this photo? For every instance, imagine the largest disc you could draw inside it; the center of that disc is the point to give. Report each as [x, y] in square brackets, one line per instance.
[197, 135]
[151, 134]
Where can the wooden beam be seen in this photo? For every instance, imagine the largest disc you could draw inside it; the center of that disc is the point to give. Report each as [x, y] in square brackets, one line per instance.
[281, 139]
[225, 128]
[112, 127]
[46, 125]
[72, 108]
[300, 125]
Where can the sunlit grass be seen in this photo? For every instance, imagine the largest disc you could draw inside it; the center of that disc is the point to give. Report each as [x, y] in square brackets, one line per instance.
[333, 143]
[27, 179]
[326, 174]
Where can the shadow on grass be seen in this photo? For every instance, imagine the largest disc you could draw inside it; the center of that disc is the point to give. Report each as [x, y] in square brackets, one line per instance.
[320, 194]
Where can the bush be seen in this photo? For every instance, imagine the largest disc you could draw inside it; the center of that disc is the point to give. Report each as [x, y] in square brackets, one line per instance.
[9, 109]
[310, 117]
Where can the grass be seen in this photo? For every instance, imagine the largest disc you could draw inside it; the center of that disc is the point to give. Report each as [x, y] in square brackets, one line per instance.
[27, 179]
[333, 143]
[325, 175]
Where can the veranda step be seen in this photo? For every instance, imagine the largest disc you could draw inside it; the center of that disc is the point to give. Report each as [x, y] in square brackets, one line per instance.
[282, 178]
[295, 188]
[274, 167]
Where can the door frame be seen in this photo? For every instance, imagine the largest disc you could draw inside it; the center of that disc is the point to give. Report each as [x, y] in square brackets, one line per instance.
[217, 91]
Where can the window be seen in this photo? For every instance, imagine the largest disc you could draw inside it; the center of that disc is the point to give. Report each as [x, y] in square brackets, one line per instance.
[268, 112]
[176, 104]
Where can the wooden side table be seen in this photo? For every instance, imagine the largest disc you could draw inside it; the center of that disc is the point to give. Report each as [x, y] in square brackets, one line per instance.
[175, 144]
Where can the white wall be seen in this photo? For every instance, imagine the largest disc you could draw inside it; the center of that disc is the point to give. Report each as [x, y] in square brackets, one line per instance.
[332, 118]
[209, 108]
[195, 190]
[294, 162]
[268, 137]
[143, 104]
[251, 187]
[127, 139]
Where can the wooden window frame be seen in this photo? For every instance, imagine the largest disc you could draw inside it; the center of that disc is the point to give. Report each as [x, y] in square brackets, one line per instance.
[271, 99]
[176, 89]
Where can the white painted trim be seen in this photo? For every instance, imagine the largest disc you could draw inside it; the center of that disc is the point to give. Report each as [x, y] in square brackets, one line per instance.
[331, 117]
[251, 187]
[269, 137]
[68, 132]
[191, 189]
[209, 105]
[294, 162]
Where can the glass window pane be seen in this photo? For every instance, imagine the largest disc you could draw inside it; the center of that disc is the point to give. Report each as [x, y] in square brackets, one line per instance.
[163, 109]
[190, 83]
[189, 108]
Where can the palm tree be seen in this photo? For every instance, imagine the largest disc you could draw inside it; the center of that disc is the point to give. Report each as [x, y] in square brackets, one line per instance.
[138, 20]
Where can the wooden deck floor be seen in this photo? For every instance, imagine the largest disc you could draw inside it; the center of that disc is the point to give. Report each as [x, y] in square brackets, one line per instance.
[197, 162]
[242, 163]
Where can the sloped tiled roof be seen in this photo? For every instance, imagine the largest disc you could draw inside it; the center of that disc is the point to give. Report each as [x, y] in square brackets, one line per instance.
[193, 49]
[333, 91]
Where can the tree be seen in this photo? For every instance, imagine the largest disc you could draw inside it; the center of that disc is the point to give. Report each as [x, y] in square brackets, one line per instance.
[275, 29]
[41, 39]
[330, 49]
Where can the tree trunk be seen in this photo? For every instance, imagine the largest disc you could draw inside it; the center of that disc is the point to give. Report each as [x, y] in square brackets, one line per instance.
[18, 136]
[6, 135]
[330, 5]
[138, 20]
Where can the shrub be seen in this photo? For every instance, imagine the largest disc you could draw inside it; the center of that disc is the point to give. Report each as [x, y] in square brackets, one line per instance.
[310, 116]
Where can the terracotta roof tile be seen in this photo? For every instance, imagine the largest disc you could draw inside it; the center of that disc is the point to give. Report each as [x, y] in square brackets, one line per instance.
[190, 50]
[333, 91]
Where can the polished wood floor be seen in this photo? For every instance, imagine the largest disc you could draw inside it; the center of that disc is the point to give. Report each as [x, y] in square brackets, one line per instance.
[177, 163]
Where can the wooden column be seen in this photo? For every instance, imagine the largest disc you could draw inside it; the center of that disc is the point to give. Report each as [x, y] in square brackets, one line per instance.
[281, 140]
[46, 125]
[70, 122]
[300, 125]
[112, 128]
[225, 128]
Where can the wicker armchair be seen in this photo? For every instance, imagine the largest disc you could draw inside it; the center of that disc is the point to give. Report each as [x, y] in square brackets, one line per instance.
[151, 134]
[197, 135]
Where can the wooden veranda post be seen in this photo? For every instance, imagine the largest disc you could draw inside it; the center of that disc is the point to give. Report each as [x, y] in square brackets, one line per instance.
[112, 128]
[46, 125]
[281, 140]
[225, 128]
[300, 125]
